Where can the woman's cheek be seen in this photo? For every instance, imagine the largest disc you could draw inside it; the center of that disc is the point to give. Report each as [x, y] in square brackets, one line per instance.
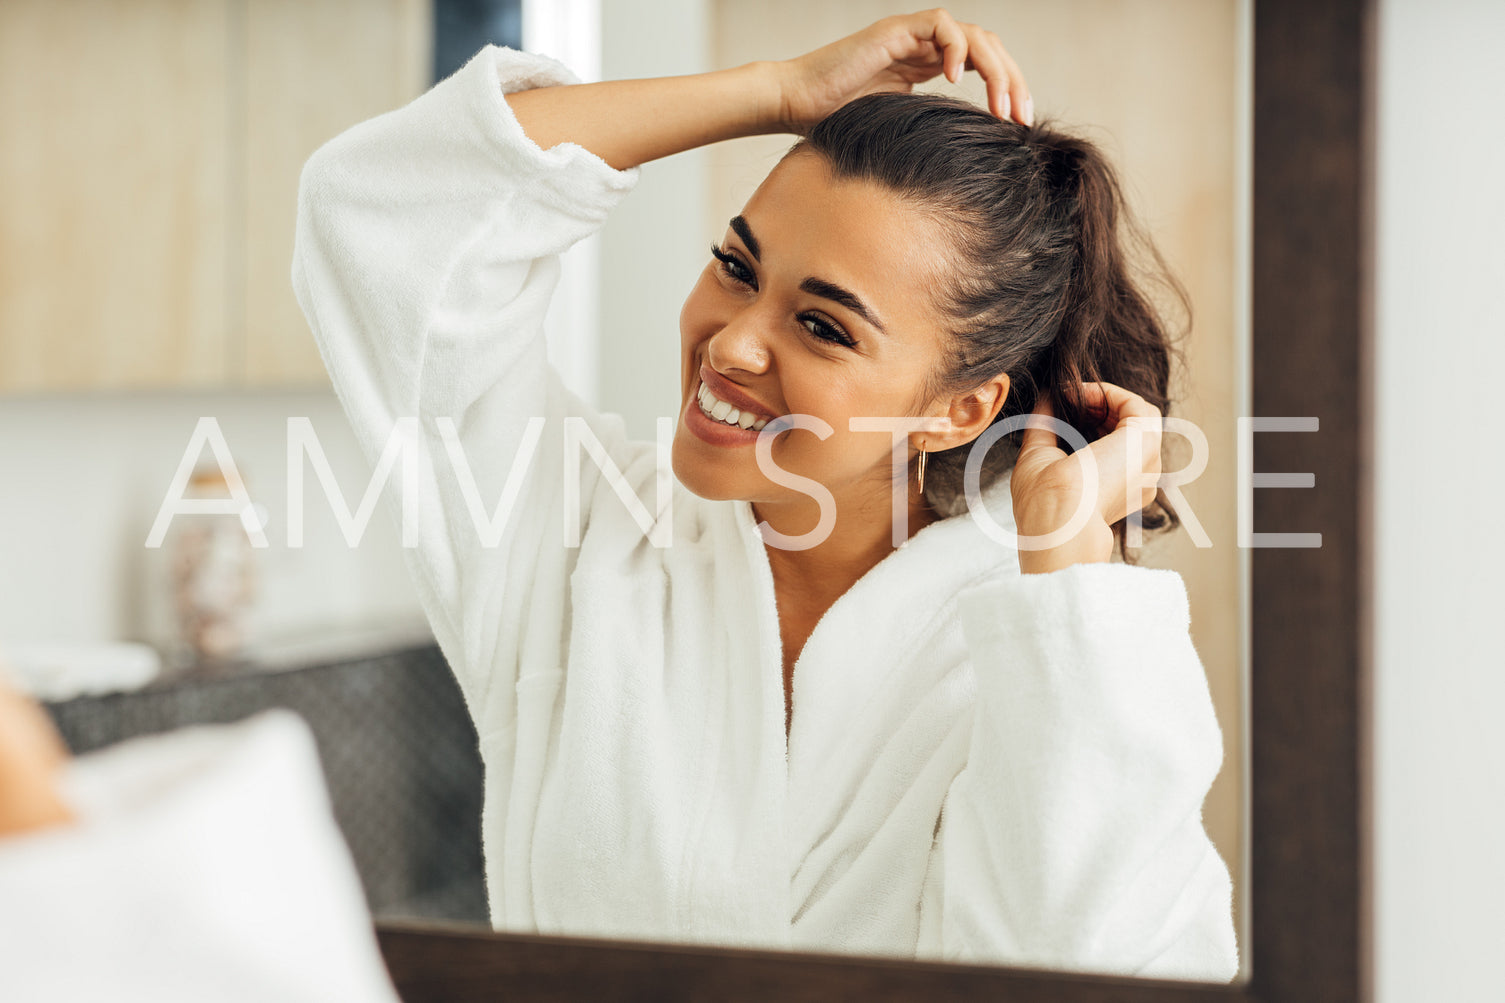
[695, 314]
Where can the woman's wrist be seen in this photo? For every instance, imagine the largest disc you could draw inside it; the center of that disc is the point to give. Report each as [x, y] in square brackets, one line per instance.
[766, 80]
[1094, 544]
[630, 122]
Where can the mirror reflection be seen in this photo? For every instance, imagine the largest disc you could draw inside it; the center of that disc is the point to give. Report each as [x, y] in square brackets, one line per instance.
[840, 587]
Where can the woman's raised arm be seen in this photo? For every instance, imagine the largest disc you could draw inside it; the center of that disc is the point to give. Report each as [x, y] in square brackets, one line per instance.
[630, 122]
[425, 259]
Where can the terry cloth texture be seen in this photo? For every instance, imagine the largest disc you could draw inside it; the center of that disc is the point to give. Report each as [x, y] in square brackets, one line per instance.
[982, 765]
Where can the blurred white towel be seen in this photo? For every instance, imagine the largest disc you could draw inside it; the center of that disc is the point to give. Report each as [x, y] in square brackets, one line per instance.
[205, 865]
[62, 671]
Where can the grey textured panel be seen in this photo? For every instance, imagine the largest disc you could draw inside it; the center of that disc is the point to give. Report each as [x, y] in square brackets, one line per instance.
[399, 753]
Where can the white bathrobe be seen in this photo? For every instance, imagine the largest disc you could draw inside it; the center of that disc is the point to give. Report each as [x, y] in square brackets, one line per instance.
[981, 765]
[203, 865]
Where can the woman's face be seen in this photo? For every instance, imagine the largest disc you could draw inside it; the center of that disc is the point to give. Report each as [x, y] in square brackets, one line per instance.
[822, 306]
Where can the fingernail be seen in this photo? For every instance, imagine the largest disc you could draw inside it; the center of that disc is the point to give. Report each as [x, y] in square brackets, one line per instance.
[1006, 103]
[1029, 110]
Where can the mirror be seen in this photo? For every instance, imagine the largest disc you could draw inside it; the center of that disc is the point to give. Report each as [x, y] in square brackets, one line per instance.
[1163, 87]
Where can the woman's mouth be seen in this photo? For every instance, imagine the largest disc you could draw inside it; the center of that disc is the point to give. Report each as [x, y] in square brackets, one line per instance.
[720, 410]
[728, 430]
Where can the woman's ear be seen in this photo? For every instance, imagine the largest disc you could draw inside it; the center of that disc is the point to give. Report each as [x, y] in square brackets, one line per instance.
[971, 413]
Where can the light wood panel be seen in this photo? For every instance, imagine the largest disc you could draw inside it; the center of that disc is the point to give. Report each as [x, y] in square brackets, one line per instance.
[312, 70]
[1154, 82]
[112, 194]
[149, 178]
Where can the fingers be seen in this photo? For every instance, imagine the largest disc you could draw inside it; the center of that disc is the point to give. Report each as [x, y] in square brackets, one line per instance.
[1022, 104]
[968, 46]
[1139, 459]
[985, 54]
[1118, 453]
[1124, 407]
[951, 39]
[1008, 94]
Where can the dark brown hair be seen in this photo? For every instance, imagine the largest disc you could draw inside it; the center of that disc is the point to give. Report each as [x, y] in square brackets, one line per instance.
[1046, 289]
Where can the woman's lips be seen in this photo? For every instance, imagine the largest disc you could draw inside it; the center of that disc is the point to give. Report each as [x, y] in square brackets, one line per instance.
[723, 389]
[716, 433]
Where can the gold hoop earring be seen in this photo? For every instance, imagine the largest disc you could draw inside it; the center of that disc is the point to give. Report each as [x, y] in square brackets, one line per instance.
[922, 466]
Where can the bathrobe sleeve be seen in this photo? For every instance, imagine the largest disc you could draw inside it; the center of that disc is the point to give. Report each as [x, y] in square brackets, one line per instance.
[1073, 837]
[204, 864]
[427, 249]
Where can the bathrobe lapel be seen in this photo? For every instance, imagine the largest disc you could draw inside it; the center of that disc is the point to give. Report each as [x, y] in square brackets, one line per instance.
[672, 807]
[882, 694]
[662, 812]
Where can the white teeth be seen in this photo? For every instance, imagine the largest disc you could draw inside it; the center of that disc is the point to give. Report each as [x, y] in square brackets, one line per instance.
[724, 412]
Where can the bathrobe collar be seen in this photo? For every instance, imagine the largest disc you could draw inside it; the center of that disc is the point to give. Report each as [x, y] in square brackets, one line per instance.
[910, 589]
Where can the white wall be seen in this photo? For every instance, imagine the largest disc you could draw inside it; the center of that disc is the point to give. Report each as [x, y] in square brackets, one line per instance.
[1439, 489]
[656, 241]
[83, 478]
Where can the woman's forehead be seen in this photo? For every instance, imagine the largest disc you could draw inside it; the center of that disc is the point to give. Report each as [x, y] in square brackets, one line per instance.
[855, 233]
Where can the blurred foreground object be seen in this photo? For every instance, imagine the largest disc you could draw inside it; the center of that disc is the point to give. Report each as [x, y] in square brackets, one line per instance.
[31, 758]
[59, 671]
[204, 865]
[400, 754]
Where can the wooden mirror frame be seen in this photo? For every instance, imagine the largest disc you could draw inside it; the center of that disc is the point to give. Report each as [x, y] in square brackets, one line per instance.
[1308, 934]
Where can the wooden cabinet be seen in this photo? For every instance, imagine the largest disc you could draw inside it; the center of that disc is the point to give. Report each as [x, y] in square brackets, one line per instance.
[313, 69]
[148, 179]
[114, 193]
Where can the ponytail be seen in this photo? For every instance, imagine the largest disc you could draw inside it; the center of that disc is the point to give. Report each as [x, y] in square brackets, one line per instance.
[1051, 289]
[1109, 330]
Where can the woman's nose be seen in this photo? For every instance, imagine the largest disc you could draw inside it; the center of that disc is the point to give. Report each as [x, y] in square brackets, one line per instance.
[741, 343]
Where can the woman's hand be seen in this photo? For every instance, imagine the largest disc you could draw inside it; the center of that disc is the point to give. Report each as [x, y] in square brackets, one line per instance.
[1047, 483]
[894, 54]
[31, 754]
[631, 122]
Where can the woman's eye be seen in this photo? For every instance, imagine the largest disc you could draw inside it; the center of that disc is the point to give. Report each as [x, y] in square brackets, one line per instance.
[734, 269]
[826, 331]
[732, 266]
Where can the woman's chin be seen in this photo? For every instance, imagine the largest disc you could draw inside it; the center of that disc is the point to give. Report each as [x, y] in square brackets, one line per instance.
[693, 470]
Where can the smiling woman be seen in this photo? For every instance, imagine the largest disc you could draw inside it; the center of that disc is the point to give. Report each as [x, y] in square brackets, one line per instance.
[971, 752]
[788, 315]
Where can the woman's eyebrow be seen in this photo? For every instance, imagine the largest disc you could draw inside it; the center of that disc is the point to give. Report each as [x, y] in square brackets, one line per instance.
[739, 224]
[847, 298]
[813, 286]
